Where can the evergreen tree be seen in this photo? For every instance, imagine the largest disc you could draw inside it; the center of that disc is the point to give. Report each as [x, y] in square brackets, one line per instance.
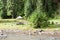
[27, 7]
[0, 8]
[50, 7]
[4, 9]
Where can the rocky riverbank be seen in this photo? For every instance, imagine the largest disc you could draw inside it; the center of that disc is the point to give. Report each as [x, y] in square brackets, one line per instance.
[31, 32]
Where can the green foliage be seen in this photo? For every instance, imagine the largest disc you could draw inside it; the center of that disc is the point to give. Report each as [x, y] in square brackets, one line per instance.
[20, 7]
[38, 18]
[36, 11]
[0, 9]
[27, 6]
[4, 10]
[50, 7]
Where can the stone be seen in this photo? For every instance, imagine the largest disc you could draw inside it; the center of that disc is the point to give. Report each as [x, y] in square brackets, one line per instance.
[19, 23]
[19, 17]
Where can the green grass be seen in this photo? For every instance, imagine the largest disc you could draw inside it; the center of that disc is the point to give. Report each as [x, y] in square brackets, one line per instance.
[8, 20]
[10, 24]
[13, 26]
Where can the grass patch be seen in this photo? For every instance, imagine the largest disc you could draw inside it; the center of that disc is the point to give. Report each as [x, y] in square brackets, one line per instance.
[9, 24]
[8, 20]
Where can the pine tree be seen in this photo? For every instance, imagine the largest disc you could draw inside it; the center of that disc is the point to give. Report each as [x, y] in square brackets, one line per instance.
[4, 9]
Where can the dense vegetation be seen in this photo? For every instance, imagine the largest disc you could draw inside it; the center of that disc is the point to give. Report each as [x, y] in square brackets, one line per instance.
[36, 11]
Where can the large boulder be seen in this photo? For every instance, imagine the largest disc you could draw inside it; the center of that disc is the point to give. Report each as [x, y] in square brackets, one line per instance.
[19, 17]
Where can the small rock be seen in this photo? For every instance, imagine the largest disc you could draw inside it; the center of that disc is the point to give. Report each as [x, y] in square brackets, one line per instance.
[39, 30]
[1, 34]
[19, 23]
